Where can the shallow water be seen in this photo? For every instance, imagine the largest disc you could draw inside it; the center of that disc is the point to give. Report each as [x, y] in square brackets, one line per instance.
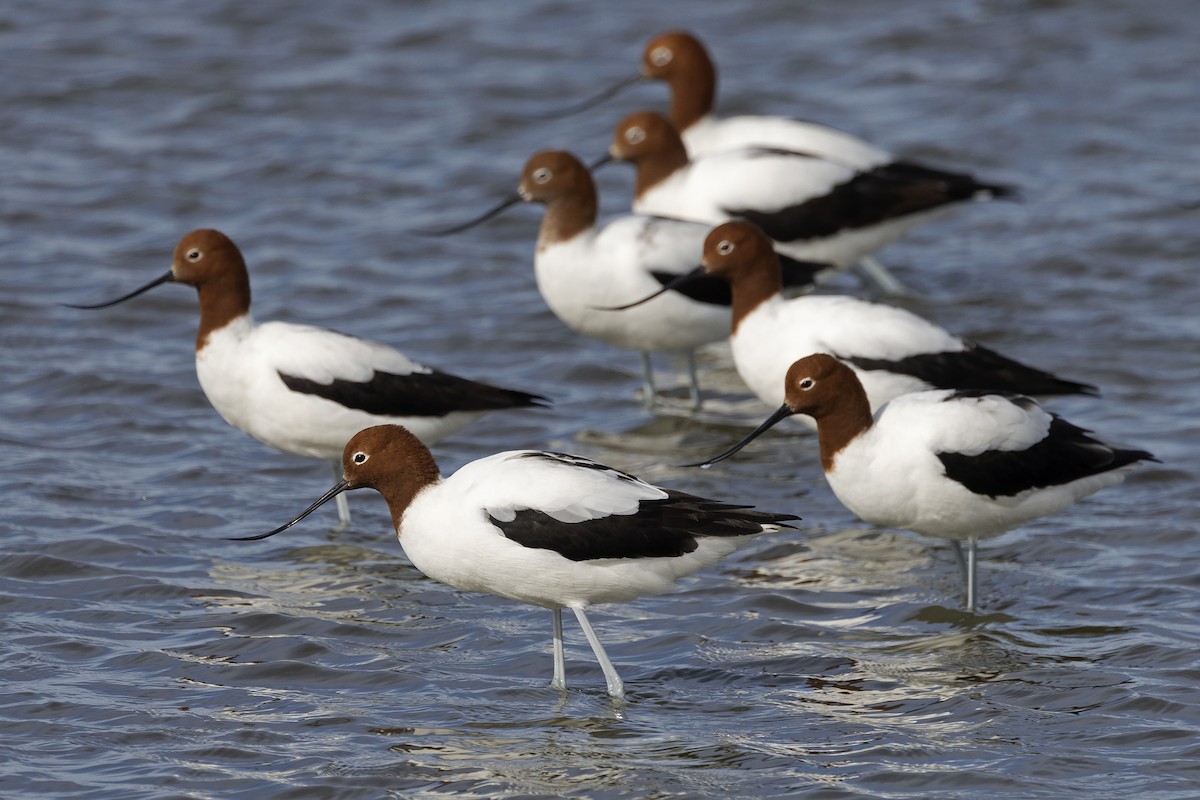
[143, 656]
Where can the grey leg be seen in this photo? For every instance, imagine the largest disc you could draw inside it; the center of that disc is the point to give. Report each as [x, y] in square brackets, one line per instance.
[615, 687]
[648, 392]
[693, 383]
[559, 681]
[880, 276]
[972, 573]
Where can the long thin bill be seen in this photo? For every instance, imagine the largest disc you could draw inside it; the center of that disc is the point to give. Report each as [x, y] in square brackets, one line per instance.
[612, 91]
[322, 500]
[484, 217]
[169, 277]
[783, 412]
[674, 283]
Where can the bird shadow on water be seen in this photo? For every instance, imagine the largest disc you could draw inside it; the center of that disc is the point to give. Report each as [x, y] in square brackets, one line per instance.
[675, 436]
[667, 446]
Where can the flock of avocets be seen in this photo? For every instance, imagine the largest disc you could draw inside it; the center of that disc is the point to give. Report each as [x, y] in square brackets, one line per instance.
[918, 429]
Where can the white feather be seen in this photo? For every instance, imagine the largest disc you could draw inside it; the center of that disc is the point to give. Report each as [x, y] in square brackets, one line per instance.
[890, 475]
[781, 331]
[447, 534]
[239, 367]
[607, 267]
[710, 135]
[709, 188]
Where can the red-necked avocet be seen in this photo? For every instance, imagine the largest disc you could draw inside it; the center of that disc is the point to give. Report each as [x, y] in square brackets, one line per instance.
[550, 529]
[306, 390]
[958, 465]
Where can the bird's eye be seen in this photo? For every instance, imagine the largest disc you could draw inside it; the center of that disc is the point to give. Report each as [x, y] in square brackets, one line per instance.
[359, 457]
[806, 383]
[725, 247]
[194, 254]
[635, 135]
[660, 56]
[542, 175]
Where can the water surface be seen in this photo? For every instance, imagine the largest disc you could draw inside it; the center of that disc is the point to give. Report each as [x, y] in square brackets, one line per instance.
[143, 656]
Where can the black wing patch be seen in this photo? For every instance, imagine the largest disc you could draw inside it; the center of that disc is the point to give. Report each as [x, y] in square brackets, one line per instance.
[432, 394]
[665, 528]
[799, 274]
[703, 288]
[975, 368]
[1066, 454]
[869, 198]
[715, 291]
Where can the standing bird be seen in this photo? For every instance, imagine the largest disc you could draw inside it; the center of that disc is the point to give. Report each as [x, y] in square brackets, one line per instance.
[681, 60]
[306, 390]
[892, 351]
[811, 207]
[958, 465]
[582, 270]
[554, 530]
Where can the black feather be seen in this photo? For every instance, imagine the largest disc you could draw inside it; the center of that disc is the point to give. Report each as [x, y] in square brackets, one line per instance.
[703, 288]
[715, 291]
[799, 274]
[976, 368]
[664, 528]
[1066, 454]
[869, 198]
[419, 394]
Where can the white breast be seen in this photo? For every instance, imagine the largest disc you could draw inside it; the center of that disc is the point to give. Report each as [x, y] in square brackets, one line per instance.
[581, 278]
[448, 534]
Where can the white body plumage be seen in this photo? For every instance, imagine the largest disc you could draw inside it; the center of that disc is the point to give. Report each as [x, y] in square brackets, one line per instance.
[240, 366]
[448, 532]
[780, 331]
[580, 279]
[891, 474]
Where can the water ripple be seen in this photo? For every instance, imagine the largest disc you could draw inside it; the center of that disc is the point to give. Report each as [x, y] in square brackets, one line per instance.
[143, 656]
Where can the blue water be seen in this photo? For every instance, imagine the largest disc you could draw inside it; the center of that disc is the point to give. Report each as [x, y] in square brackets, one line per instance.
[142, 656]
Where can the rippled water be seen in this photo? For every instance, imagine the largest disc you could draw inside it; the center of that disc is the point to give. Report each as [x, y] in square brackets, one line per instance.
[143, 656]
